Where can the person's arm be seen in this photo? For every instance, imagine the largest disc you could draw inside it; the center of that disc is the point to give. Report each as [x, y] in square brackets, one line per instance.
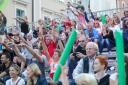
[61, 46]
[4, 19]
[55, 35]
[45, 49]
[86, 17]
[36, 55]
[63, 76]
[74, 12]
[2, 74]
[72, 56]
[16, 50]
[6, 47]
[92, 16]
[22, 66]
[41, 30]
[18, 19]
[111, 82]
[23, 40]
[78, 69]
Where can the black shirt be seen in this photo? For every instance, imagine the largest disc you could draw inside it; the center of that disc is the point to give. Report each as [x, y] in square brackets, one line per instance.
[24, 27]
[3, 68]
[104, 80]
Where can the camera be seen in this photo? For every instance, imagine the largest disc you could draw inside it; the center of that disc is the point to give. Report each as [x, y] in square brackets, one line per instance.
[75, 53]
[10, 34]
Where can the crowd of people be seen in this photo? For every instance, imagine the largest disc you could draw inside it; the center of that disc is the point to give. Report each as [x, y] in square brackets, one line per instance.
[31, 56]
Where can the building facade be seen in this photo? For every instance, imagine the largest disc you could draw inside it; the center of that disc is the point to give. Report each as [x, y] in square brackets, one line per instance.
[41, 8]
[52, 8]
[18, 8]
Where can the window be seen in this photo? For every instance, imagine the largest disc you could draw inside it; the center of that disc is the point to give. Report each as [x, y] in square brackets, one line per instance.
[20, 13]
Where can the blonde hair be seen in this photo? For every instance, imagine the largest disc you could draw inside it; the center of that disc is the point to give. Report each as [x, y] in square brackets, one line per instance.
[16, 67]
[86, 79]
[34, 67]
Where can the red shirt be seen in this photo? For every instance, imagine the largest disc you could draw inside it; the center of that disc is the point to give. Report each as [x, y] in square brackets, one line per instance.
[51, 48]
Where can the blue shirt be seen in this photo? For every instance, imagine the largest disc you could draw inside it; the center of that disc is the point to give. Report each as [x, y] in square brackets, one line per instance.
[93, 34]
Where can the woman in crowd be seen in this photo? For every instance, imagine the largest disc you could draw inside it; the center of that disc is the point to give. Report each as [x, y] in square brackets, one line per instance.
[35, 75]
[105, 40]
[116, 19]
[54, 62]
[14, 72]
[113, 25]
[100, 66]
[4, 66]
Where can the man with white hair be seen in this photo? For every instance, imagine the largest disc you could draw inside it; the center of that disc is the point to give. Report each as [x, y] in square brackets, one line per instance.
[85, 65]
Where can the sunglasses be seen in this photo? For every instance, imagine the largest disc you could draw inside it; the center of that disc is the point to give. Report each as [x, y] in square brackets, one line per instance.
[81, 41]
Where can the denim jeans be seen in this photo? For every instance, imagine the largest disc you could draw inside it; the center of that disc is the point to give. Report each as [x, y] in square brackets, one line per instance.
[104, 42]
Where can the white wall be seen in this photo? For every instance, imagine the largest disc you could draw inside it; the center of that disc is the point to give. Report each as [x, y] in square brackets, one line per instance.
[54, 6]
[98, 5]
[37, 10]
[85, 3]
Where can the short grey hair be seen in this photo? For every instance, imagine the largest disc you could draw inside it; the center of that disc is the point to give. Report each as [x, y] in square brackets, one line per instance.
[94, 45]
[86, 79]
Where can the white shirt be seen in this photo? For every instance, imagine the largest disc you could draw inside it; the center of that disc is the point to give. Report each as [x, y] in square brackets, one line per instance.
[114, 28]
[114, 76]
[25, 52]
[19, 81]
[91, 63]
[79, 68]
